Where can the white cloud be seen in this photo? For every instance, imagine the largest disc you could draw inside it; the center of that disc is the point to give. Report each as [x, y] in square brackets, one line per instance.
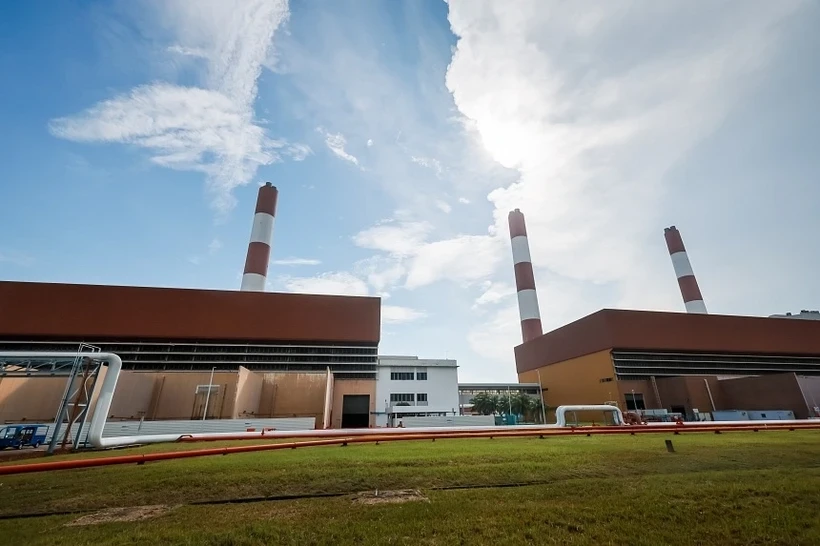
[349, 284]
[211, 128]
[397, 238]
[463, 258]
[215, 246]
[336, 143]
[369, 142]
[297, 261]
[593, 124]
[463, 200]
[444, 206]
[495, 292]
[187, 51]
[394, 314]
[333, 283]
[381, 272]
[428, 162]
[466, 258]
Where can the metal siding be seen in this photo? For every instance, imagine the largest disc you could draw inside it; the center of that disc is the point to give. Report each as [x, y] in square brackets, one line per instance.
[56, 311]
[133, 428]
[451, 421]
[660, 331]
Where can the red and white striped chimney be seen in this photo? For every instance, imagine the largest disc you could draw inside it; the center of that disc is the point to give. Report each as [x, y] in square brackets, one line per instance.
[692, 297]
[524, 278]
[256, 263]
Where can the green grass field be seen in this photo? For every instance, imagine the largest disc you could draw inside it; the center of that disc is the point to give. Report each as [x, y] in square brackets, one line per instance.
[734, 488]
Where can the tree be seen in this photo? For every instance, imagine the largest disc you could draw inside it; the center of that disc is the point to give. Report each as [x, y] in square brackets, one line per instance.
[484, 403]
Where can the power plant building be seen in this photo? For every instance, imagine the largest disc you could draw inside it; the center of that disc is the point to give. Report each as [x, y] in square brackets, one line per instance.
[686, 363]
[275, 354]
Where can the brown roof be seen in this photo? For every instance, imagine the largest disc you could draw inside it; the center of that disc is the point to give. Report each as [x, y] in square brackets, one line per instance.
[669, 332]
[79, 311]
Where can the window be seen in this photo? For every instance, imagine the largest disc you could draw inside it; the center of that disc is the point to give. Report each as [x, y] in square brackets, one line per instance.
[400, 397]
[421, 399]
[634, 401]
[401, 376]
[421, 376]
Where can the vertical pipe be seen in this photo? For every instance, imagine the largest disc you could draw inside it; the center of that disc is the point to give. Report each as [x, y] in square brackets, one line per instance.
[524, 278]
[256, 262]
[541, 392]
[208, 394]
[709, 391]
[692, 298]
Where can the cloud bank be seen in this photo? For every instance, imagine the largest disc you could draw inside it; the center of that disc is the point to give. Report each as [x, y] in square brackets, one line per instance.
[211, 128]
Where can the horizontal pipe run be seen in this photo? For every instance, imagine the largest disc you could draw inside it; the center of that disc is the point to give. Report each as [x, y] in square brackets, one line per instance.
[572, 431]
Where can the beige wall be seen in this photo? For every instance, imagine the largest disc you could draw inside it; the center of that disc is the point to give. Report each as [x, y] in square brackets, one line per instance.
[342, 387]
[27, 399]
[248, 394]
[288, 394]
[133, 396]
[37, 399]
[171, 395]
[576, 381]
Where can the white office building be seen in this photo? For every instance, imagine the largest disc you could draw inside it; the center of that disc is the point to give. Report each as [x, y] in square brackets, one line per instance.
[408, 386]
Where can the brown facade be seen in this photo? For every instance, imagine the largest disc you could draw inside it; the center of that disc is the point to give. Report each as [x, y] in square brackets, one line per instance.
[772, 392]
[74, 311]
[654, 331]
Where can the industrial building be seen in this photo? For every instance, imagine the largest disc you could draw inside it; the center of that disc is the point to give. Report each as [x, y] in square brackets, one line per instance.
[687, 363]
[408, 386]
[272, 355]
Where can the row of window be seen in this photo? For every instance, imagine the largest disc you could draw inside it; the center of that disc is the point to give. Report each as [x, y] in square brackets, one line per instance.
[408, 376]
[408, 397]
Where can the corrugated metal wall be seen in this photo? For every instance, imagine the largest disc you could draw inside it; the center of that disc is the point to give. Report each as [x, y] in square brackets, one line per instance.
[451, 421]
[133, 428]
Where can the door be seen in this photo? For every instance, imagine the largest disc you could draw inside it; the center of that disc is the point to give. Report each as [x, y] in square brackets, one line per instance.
[355, 411]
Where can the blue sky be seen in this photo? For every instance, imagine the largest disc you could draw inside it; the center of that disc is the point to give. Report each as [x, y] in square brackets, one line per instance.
[400, 134]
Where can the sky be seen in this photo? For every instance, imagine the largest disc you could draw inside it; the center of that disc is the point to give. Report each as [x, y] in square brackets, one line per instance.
[400, 134]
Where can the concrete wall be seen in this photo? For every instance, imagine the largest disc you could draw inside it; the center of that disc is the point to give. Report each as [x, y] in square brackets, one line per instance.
[769, 392]
[175, 395]
[351, 386]
[691, 393]
[172, 396]
[133, 397]
[576, 381]
[810, 385]
[24, 399]
[288, 394]
[248, 393]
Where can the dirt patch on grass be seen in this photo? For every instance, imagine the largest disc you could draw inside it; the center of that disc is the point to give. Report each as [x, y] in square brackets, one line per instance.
[129, 513]
[389, 497]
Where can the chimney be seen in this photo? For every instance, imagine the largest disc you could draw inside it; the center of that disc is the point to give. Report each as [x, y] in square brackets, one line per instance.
[683, 270]
[524, 278]
[256, 263]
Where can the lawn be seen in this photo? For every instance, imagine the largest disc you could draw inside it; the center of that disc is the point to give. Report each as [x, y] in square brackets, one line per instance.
[734, 488]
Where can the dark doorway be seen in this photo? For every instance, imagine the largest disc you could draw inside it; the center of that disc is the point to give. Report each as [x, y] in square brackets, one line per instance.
[634, 401]
[355, 410]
